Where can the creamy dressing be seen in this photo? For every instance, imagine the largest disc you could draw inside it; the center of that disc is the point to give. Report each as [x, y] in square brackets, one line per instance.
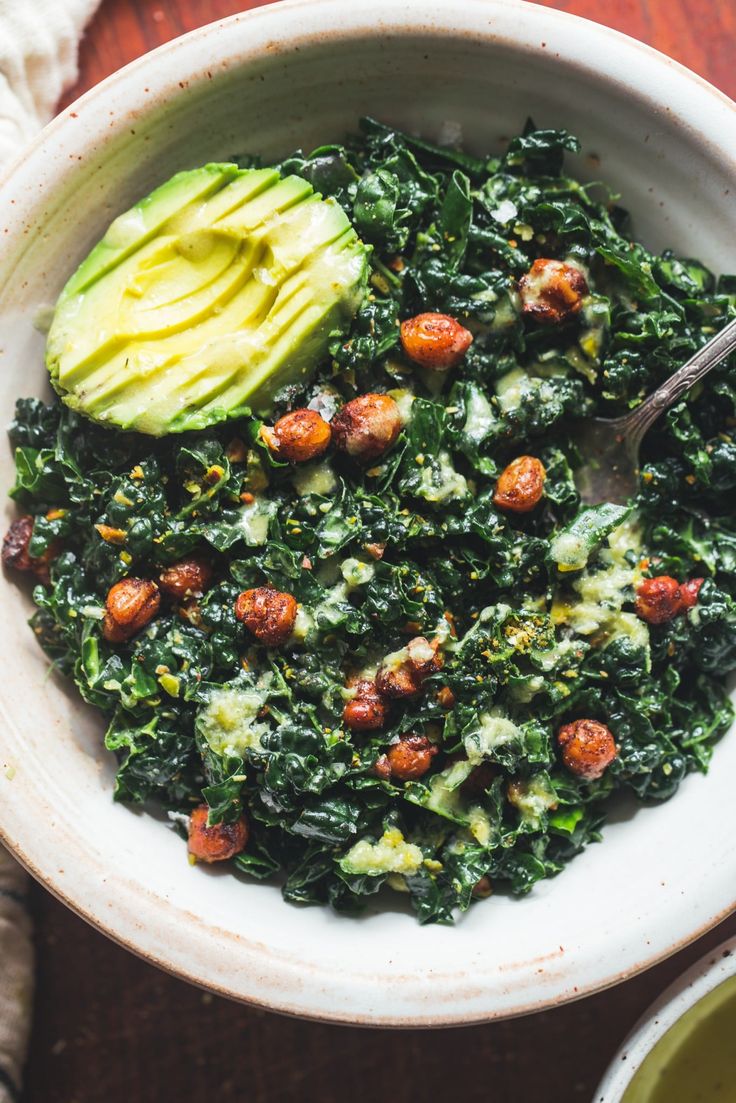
[391, 854]
[493, 731]
[479, 416]
[316, 478]
[443, 483]
[254, 521]
[533, 798]
[602, 593]
[517, 386]
[228, 722]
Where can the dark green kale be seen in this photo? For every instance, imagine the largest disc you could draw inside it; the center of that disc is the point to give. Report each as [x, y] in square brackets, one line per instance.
[533, 613]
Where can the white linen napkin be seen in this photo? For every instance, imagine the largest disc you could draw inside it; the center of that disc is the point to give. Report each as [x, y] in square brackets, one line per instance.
[38, 60]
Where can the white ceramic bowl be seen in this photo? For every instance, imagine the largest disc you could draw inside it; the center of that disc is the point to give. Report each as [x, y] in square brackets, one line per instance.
[702, 978]
[301, 74]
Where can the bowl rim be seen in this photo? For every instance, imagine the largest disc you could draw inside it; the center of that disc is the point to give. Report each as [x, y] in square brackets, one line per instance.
[315, 19]
[703, 977]
[267, 10]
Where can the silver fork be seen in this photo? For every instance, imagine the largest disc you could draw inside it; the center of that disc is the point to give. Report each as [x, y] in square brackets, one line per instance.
[610, 446]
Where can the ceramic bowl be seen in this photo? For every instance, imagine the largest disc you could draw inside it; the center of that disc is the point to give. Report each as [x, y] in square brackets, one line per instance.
[301, 74]
[707, 974]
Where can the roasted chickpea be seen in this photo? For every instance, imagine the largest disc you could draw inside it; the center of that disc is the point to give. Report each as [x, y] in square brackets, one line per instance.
[588, 748]
[690, 591]
[15, 544]
[520, 486]
[298, 436]
[15, 550]
[367, 426]
[189, 577]
[269, 614]
[405, 677]
[552, 291]
[411, 757]
[130, 605]
[435, 341]
[368, 709]
[217, 843]
[658, 599]
[483, 888]
[425, 658]
[397, 682]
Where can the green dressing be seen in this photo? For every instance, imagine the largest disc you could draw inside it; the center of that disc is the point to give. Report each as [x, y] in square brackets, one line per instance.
[695, 1062]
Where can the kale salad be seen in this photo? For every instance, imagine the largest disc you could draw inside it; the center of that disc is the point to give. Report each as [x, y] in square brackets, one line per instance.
[310, 538]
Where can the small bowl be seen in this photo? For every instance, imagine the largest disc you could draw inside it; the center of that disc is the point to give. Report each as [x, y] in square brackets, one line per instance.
[685, 995]
[278, 77]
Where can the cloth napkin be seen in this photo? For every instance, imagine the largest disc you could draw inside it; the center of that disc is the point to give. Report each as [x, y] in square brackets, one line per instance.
[38, 60]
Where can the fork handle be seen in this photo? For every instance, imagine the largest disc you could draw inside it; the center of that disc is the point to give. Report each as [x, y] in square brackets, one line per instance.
[633, 426]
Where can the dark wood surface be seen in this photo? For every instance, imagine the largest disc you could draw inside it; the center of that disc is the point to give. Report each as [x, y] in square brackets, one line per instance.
[699, 33]
[111, 1028]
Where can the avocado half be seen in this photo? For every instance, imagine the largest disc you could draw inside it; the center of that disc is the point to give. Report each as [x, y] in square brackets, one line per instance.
[205, 299]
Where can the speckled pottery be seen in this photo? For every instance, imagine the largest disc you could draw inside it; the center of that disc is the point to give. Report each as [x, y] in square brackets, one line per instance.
[702, 978]
[299, 74]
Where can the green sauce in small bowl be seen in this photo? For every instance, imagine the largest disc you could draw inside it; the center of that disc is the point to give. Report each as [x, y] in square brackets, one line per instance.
[695, 1061]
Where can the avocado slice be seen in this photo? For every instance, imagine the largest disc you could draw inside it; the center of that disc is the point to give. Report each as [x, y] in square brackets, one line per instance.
[216, 290]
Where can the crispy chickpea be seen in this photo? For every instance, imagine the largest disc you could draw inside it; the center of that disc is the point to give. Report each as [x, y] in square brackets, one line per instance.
[435, 341]
[404, 679]
[189, 577]
[269, 614]
[483, 888]
[368, 709]
[298, 436]
[15, 544]
[520, 486]
[411, 757]
[425, 657]
[658, 599]
[690, 591]
[367, 426]
[552, 291]
[130, 605]
[588, 748]
[217, 843]
[15, 550]
[398, 682]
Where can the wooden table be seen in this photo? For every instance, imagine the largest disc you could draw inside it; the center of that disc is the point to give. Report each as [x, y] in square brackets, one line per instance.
[110, 1028]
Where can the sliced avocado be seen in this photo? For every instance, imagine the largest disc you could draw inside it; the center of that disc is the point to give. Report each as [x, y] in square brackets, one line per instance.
[206, 298]
[138, 225]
